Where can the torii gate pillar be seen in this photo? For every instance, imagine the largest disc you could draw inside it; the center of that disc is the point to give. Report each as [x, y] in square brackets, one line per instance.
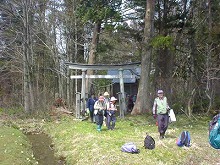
[123, 106]
[83, 93]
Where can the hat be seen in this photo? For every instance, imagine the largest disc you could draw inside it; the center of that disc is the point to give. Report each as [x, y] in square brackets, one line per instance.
[113, 99]
[160, 91]
[101, 98]
[106, 94]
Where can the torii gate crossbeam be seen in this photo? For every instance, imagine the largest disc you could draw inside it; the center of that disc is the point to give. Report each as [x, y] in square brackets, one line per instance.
[103, 66]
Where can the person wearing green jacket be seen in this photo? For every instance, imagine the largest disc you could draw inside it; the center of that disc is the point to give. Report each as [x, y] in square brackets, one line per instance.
[160, 112]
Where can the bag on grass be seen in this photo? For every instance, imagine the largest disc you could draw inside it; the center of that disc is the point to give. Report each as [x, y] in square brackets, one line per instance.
[130, 147]
[214, 132]
[172, 117]
[149, 142]
[184, 139]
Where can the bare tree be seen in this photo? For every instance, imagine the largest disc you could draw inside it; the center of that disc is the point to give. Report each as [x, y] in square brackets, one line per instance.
[27, 57]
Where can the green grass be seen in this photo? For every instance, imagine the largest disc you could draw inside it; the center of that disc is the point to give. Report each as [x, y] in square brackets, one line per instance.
[81, 144]
[11, 111]
[15, 148]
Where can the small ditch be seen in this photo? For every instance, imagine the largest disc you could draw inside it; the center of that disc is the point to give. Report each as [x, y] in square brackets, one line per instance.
[43, 150]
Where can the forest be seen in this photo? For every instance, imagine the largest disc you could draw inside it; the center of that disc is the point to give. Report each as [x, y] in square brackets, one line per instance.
[176, 41]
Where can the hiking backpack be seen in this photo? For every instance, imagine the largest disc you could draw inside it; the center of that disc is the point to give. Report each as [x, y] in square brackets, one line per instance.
[149, 142]
[184, 139]
[214, 132]
[130, 147]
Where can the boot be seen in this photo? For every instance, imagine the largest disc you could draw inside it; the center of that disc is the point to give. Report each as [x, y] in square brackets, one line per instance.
[113, 126]
[99, 128]
[162, 135]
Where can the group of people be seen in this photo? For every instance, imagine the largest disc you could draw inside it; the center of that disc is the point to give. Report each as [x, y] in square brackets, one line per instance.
[102, 110]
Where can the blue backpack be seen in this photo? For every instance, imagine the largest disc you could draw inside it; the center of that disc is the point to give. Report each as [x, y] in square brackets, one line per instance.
[214, 132]
[184, 139]
[130, 148]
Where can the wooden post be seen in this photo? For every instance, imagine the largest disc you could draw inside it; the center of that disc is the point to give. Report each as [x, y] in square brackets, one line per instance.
[78, 102]
[122, 108]
[83, 92]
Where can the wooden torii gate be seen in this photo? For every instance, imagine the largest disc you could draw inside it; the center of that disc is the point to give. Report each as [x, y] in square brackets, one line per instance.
[119, 67]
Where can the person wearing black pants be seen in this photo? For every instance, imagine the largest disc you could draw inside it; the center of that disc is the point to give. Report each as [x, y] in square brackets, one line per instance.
[90, 105]
[107, 101]
[99, 108]
[111, 116]
[160, 112]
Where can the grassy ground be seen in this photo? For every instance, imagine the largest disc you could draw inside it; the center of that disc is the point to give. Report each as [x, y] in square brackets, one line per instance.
[14, 147]
[80, 143]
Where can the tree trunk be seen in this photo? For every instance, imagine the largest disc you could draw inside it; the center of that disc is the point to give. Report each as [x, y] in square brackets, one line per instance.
[143, 97]
[27, 60]
[209, 90]
[163, 73]
[71, 45]
[92, 52]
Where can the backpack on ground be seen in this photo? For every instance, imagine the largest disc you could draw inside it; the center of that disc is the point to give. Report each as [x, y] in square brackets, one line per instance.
[214, 132]
[149, 142]
[130, 147]
[184, 139]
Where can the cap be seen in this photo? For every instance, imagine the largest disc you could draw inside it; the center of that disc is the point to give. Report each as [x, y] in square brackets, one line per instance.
[101, 98]
[160, 91]
[113, 99]
[106, 94]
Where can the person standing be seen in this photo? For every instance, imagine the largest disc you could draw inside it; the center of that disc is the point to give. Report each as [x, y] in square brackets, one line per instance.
[90, 105]
[107, 101]
[160, 112]
[111, 111]
[99, 108]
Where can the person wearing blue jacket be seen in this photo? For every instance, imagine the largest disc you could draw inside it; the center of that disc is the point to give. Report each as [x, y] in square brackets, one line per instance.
[90, 105]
